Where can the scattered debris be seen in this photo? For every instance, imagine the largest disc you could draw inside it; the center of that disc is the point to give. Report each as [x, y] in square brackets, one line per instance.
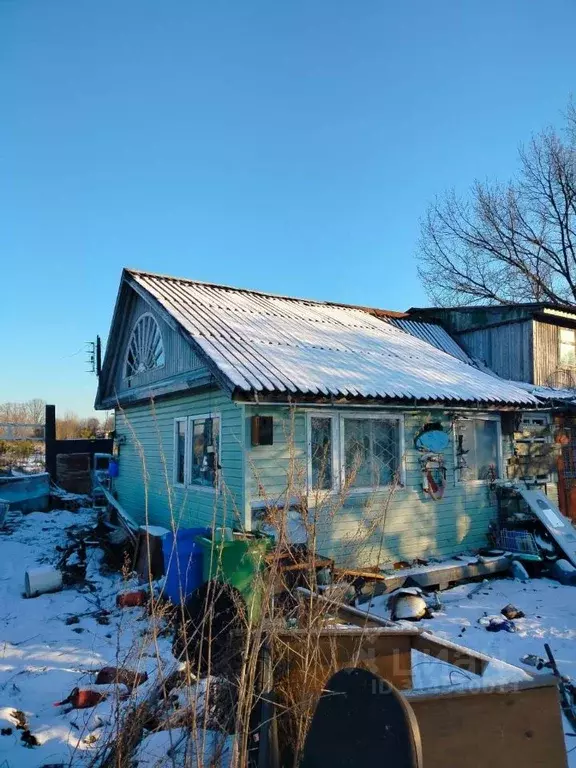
[132, 599]
[41, 580]
[89, 696]
[564, 572]
[518, 571]
[408, 603]
[497, 624]
[22, 725]
[532, 660]
[511, 612]
[127, 677]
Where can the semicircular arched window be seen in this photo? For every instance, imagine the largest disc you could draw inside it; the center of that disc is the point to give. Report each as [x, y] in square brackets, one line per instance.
[145, 348]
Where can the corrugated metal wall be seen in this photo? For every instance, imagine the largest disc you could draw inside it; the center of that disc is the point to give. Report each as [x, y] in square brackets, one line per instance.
[505, 349]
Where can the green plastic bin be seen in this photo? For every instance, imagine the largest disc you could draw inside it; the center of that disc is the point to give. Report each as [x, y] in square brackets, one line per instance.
[239, 563]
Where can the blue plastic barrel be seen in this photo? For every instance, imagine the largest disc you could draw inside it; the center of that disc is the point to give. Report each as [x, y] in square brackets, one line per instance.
[113, 468]
[182, 563]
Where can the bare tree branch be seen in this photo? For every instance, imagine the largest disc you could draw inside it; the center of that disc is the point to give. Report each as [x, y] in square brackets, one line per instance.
[512, 243]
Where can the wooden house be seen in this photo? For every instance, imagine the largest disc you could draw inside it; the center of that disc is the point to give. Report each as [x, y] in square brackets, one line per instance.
[533, 343]
[231, 404]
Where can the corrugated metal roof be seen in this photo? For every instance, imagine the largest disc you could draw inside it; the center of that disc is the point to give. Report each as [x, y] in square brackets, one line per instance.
[434, 334]
[277, 344]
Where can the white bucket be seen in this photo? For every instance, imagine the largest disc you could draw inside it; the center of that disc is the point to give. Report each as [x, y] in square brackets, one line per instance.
[38, 581]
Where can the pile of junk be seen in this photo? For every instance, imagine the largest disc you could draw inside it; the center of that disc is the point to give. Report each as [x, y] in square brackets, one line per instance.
[531, 528]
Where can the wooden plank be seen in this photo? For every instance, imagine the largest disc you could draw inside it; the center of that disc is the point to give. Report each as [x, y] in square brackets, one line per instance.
[519, 724]
[423, 641]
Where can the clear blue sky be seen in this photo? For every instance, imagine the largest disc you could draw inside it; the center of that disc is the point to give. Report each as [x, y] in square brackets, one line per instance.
[285, 146]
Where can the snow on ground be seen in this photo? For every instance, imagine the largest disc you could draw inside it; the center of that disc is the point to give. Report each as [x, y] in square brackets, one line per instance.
[42, 658]
[550, 610]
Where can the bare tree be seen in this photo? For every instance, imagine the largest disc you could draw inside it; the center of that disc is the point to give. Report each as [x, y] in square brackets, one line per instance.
[508, 243]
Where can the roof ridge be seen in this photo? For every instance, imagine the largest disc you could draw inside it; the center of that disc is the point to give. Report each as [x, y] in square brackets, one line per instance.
[376, 311]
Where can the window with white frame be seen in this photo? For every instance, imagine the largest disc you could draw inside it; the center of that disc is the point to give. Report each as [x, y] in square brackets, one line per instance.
[197, 451]
[180, 430]
[363, 451]
[567, 348]
[478, 450]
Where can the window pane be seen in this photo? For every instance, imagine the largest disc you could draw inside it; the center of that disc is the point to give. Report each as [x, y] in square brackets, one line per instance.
[486, 448]
[321, 453]
[466, 450]
[567, 354]
[357, 452]
[386, 442]
[180, 450]
[205, 451]
[477, 448]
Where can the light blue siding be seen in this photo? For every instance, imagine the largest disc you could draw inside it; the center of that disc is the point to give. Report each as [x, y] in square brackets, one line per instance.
[376, 527]
[145, 484]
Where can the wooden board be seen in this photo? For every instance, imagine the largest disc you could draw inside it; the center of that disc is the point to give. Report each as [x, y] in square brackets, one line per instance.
[422, 640]
[386, 652]
[519, 725]
[558, 526]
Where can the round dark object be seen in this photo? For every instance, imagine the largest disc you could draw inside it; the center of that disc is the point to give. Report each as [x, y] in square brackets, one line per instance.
[360, 720]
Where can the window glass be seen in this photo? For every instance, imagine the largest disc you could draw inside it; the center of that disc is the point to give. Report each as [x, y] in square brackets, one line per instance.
[371, 451]
[321, 453]
[205, 435]
[567, 351]
[180, 451]
[477, 449]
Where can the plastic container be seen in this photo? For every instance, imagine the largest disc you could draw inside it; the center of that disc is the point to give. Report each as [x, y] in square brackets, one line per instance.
[240, 563]
[39, 581]
[112, 468]
[183, 563]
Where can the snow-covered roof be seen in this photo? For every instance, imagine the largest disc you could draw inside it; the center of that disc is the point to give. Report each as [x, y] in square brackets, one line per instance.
[266, 343]
[433, 334]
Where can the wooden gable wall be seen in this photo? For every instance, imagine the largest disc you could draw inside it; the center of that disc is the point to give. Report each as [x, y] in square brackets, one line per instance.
[182, 363]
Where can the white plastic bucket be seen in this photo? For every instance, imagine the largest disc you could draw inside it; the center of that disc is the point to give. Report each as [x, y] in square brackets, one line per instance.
[38, 581]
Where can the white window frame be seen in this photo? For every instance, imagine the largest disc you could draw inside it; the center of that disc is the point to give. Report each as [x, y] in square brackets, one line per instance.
[175, 481]
[335, 452]
[189, 484]
[339, 453]
[562, 365]
[401, 447]
[499, 454]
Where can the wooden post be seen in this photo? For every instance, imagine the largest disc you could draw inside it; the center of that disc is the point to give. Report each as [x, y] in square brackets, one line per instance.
[50, 441]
